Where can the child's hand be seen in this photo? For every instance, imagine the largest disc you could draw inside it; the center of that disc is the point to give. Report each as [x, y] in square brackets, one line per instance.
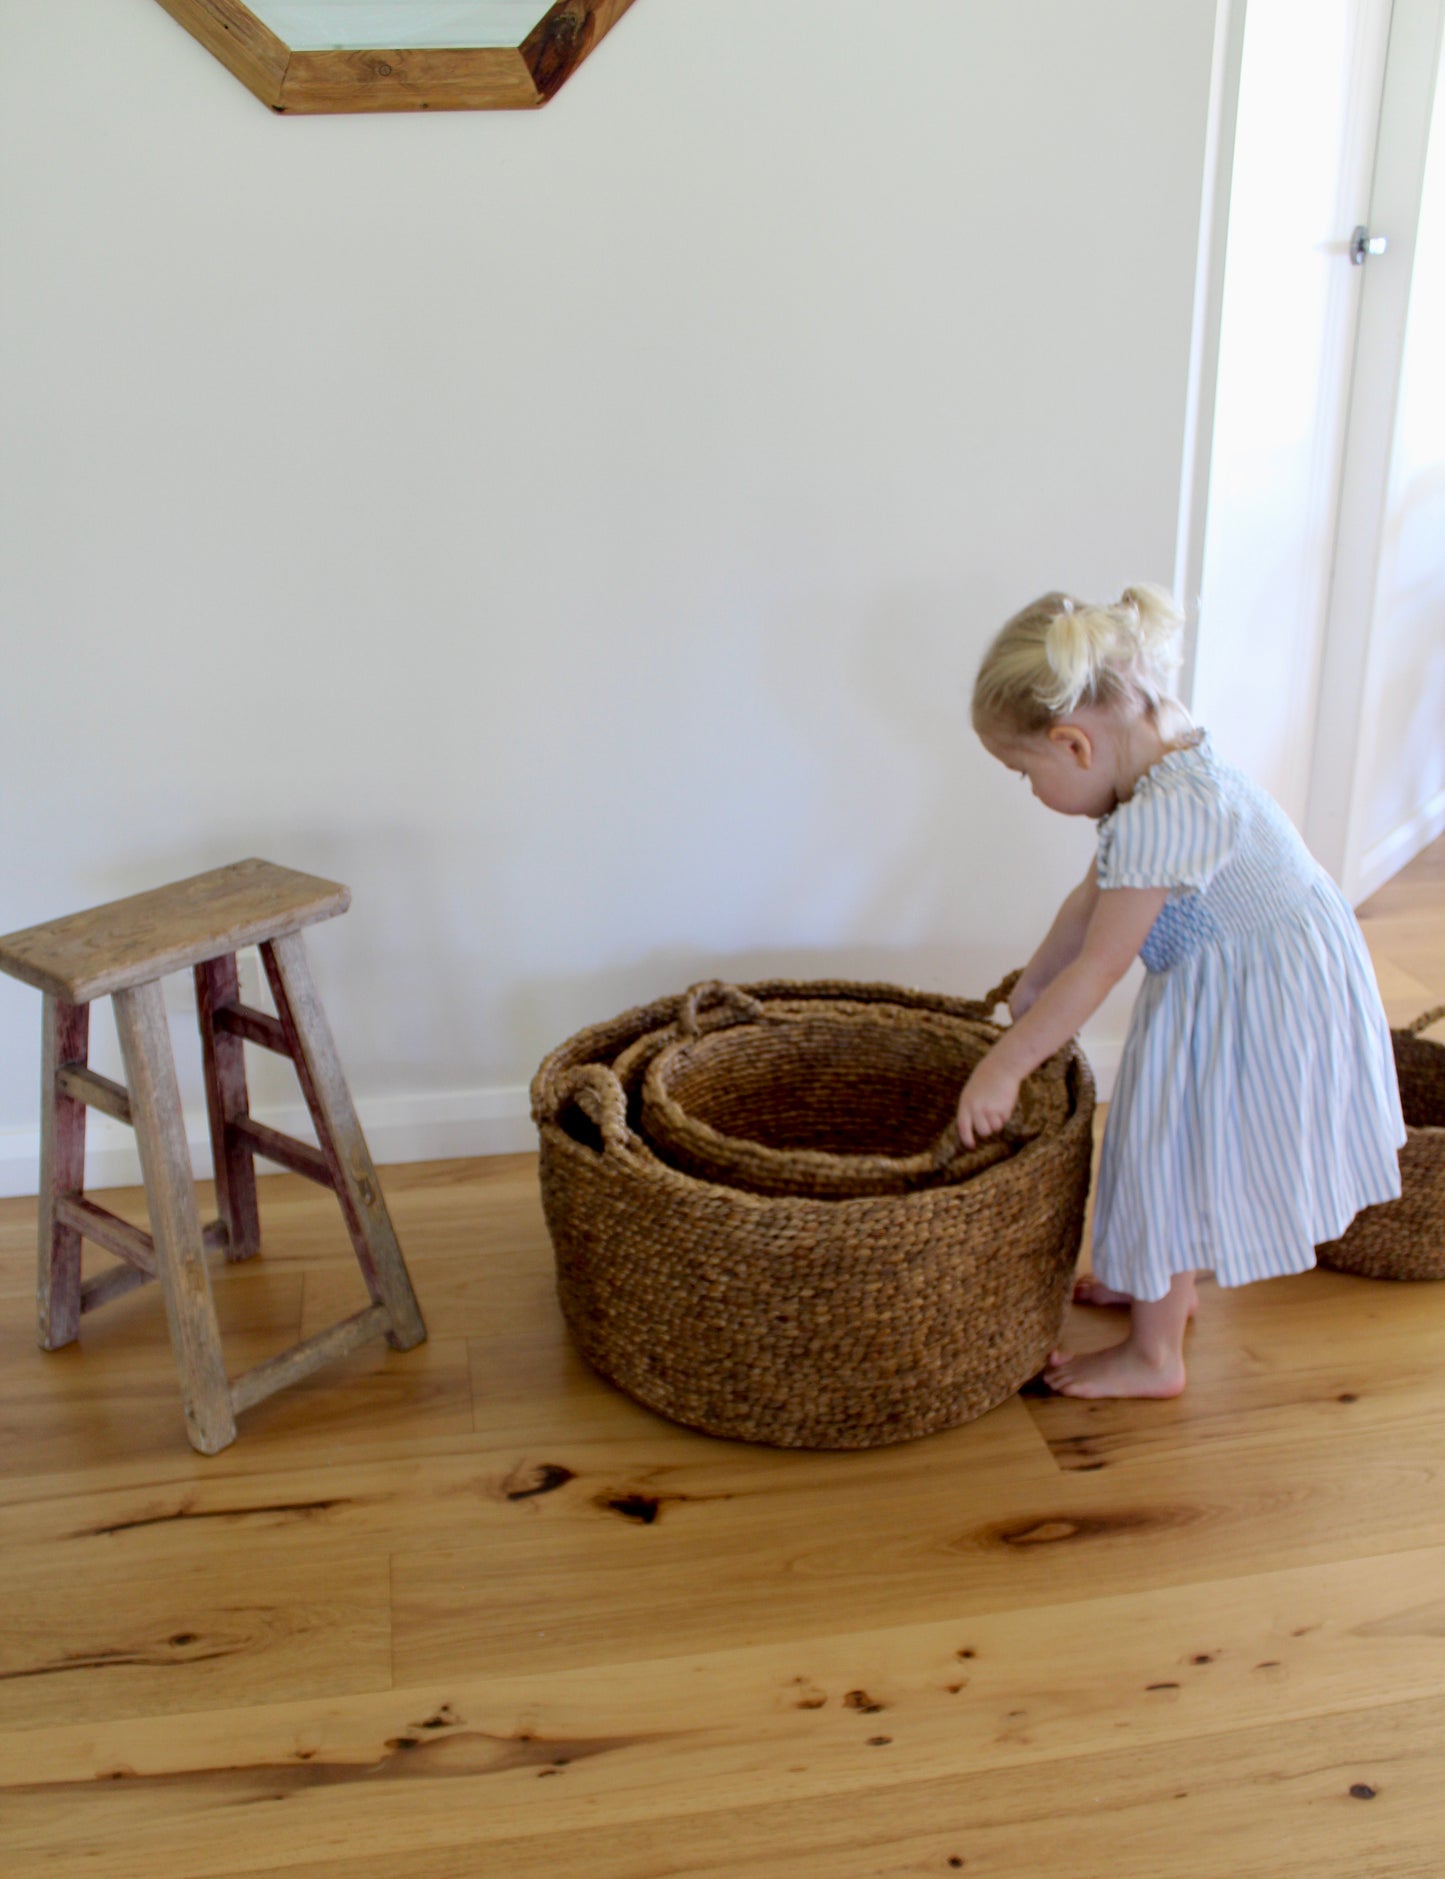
[989, 1098]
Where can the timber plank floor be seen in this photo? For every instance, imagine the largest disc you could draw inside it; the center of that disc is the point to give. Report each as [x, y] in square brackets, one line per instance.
[468, 1611]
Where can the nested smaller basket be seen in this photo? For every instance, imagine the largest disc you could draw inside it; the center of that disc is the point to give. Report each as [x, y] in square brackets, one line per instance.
[829, 1098]
[1405, 1238]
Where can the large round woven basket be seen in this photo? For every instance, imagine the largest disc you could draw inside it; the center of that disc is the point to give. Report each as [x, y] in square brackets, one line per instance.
[1405, 1238]
[789, 1319]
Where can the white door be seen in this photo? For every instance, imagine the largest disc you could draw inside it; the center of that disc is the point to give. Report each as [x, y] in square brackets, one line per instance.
[1309, 101]
[1326, 88]
[1378, 788]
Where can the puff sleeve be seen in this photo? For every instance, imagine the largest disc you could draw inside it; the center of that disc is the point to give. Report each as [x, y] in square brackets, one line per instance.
[1176, 831]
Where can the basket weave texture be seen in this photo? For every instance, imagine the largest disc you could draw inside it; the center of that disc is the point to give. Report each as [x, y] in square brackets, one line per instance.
[1405, 1238]
[809, 1319]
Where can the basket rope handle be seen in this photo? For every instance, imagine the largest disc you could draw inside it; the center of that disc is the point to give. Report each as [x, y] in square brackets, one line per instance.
[1000, 993]
[737, 1006]
[601, 1098]
[1425, 1020]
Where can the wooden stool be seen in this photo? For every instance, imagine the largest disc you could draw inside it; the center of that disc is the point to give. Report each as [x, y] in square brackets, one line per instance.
[123, 950]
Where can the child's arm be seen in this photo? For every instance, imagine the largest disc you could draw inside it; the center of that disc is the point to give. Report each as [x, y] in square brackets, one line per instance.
[1060, 946]
[1117, 928]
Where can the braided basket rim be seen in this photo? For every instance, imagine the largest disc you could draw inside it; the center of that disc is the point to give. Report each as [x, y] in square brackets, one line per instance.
[682, 1135]
[613, 1036]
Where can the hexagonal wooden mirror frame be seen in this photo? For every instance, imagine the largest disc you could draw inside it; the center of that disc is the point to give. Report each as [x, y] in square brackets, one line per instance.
[463, 78]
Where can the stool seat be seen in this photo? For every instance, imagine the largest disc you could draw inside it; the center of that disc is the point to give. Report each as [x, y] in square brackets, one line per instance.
[123, 950]
[125, 942]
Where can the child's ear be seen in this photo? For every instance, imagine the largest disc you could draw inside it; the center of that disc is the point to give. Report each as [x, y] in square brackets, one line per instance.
[1074, 741]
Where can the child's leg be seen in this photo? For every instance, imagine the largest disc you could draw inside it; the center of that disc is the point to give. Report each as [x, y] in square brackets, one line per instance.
[1150, 1361]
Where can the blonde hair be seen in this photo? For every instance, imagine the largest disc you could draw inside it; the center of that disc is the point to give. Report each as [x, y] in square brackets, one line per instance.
[1059, 653]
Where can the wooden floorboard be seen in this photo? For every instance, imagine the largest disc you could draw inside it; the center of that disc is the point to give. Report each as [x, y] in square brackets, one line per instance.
[468, 1611]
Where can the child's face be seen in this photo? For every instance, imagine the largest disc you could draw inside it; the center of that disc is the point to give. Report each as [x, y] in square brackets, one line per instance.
[1062, 765]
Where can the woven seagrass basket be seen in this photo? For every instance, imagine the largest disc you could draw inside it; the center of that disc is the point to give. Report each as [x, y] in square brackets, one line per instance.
[1405, 1238]
[790, 1319]
[833, 1099]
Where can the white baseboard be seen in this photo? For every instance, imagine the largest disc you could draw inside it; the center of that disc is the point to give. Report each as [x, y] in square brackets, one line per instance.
[1385, 860]
[443, 1126]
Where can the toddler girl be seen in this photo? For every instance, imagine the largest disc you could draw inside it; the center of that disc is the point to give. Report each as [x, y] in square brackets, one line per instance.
[1256, 1109]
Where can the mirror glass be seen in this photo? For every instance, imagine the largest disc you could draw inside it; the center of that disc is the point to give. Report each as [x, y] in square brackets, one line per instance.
[381, 25]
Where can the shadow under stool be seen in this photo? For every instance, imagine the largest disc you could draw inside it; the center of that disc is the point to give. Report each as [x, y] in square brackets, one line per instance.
[122, 951]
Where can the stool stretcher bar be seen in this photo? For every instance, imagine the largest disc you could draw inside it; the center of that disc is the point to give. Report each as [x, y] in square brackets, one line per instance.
[112, 1284]
[118, 1236]
[97, 1092]
[252, 1386]
[256, 1027]
[285, 1150]
[132, 1244]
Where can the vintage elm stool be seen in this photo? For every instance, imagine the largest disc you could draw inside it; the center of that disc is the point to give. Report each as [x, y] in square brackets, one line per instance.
[123, 950]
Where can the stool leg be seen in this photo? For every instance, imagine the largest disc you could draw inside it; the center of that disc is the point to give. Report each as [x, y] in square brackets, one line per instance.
[342, 1142]
[65, 1039]
[223, 1057]
[155, 1097]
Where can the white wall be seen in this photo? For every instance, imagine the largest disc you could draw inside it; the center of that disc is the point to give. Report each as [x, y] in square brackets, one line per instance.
[576, 529]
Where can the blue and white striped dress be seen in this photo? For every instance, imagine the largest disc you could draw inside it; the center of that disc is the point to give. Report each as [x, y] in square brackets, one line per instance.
[1256, 1109]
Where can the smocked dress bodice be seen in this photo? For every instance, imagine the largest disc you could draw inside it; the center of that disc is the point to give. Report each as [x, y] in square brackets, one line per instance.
[1231, 858]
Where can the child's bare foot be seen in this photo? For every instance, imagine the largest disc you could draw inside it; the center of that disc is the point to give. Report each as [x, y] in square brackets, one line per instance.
[1091, 1291]
[1121, 1370]
[1150, 1361]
